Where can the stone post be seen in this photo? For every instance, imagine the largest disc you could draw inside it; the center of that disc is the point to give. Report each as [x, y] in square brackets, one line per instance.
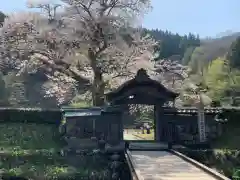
[201, 120]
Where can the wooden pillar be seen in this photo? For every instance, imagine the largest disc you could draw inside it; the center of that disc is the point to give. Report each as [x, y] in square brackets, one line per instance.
[158, 116]
[121, 126]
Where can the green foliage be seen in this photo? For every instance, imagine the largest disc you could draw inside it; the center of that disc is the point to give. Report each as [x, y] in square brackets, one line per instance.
[210, 50]
[187, 55]
[147, 116]
[234, 84]
[234, 54]
[236, 175]
[224, 161]
[225, 149]
[32, 152]
[32, 144]
[197, 61]
[223, 82]
[19, 138]
[216, 78]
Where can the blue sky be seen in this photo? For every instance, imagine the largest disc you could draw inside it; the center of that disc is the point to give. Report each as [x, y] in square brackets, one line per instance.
[205, 17]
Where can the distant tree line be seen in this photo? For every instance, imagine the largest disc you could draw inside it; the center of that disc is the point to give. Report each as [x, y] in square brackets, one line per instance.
[171, 44]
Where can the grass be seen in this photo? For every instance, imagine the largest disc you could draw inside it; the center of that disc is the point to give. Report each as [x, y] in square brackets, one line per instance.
[31, 151]
[20, 136]
[147, 136]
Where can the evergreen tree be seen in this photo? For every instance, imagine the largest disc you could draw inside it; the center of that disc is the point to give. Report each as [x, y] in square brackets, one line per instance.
[173, 44]
[234, 54]
[187, 55]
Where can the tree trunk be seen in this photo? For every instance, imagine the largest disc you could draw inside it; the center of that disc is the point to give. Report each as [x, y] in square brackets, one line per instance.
[98, 89]
[173, 86]
[98, 86]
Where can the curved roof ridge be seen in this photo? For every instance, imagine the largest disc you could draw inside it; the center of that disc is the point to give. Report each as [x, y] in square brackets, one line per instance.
[142, 78]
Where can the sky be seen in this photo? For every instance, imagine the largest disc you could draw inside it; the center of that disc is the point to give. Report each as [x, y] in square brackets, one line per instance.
[207, 18]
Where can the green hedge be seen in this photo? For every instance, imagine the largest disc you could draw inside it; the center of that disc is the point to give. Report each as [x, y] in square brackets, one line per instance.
[30, 115]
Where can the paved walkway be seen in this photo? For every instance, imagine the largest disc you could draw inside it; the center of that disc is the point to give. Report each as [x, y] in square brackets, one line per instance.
[162, 165]
[130, 136]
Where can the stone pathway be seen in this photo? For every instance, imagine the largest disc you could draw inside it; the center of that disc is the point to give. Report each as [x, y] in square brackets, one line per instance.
[162, 165]
[130, 136]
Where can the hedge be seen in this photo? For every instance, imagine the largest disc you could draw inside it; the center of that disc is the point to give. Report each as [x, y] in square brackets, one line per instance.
[30, 115]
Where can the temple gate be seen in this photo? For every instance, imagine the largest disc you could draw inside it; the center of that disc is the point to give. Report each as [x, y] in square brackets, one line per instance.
[144, 90]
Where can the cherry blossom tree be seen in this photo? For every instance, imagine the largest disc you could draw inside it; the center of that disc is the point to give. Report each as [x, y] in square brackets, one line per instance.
[171, 73]
[87, 42]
